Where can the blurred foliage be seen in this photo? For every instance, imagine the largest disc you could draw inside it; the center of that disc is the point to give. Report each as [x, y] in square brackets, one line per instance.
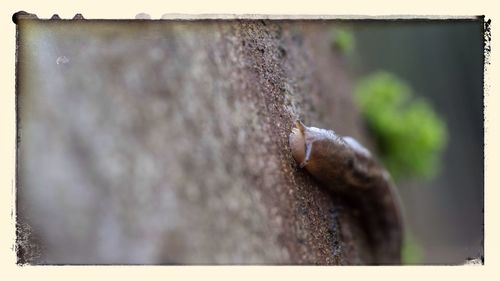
[343, 40]
[410, 135]
[411, 252]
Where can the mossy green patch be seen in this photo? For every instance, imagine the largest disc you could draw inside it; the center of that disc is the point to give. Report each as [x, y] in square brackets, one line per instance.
[411, 252]
[343, 40]
[410, 135]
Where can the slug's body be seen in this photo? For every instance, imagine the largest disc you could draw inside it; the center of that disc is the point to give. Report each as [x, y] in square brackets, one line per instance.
[344, 166]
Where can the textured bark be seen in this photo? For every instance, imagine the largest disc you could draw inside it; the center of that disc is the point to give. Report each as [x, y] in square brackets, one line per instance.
[167, 142]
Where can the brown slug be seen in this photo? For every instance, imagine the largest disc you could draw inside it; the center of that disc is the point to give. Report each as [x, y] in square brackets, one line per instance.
[346, 168]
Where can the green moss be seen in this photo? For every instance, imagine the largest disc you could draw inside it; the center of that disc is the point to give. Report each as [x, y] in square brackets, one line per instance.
[410, 135]
[411, 252]
[343, 40]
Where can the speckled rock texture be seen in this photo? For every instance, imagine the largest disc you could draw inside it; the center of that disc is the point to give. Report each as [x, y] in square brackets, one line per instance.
[166, 142]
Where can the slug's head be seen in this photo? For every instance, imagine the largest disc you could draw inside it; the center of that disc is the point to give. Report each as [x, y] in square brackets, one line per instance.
[297, 140]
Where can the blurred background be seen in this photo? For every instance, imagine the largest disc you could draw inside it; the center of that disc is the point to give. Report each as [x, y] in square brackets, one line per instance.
[443, 63]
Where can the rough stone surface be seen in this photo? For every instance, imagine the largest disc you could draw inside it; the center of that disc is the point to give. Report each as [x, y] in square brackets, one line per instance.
[166, 142]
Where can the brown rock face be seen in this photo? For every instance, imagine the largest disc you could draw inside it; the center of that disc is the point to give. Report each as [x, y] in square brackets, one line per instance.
[166, 142]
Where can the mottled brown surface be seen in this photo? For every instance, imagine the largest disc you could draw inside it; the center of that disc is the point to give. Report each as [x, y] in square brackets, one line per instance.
[167, 142]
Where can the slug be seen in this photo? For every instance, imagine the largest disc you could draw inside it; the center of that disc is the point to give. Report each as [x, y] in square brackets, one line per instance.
[347, 169]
